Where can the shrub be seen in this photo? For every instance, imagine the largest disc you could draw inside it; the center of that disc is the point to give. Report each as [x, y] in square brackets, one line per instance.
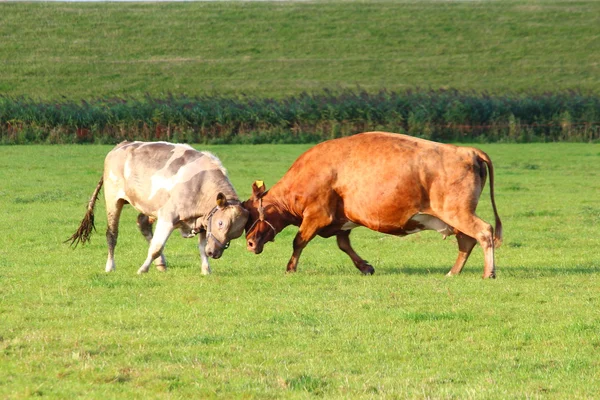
[442, 115]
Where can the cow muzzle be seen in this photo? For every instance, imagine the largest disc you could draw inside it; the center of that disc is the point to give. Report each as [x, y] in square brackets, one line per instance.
[216, 248]
[257, 237]
[216, 254]
[254, 245]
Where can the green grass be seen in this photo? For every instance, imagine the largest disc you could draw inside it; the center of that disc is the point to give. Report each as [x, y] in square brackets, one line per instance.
[51, 50]
[68, 330]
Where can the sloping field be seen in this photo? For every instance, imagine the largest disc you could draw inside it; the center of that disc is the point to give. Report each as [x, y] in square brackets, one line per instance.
[91, 50]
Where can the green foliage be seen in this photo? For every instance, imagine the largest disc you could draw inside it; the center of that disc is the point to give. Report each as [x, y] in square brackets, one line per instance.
[69, 330]
[443, 115]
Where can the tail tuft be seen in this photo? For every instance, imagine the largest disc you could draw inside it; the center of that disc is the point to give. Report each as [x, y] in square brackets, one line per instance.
[498, 233]
[84, 231]
[86, 226]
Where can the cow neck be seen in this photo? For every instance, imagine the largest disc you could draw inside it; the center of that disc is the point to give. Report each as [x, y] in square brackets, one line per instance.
[276, 199]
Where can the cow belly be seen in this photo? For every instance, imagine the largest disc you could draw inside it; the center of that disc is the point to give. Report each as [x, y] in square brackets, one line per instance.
[422, 222]
[349, 226]
[417, 223]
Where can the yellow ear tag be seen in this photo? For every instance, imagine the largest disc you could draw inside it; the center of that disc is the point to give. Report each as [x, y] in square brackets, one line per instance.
[259, 184]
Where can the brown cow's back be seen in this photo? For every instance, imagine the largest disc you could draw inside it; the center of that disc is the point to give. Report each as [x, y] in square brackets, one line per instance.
[380, 180]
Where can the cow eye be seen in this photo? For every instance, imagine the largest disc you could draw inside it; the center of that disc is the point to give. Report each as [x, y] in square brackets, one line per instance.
[220, 224]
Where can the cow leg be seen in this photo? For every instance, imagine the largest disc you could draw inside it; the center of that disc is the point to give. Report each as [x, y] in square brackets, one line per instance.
[471, 225]
[307, 231]
[161, 234]
[113, 214]
[343, 241]
[465, 245]
[201, 245]
[143, 222]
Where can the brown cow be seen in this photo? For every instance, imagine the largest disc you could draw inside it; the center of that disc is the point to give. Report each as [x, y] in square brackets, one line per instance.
[174, 184]
[388, 182]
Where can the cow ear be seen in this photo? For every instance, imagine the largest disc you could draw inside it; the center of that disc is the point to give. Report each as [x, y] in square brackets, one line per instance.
[221, 200]
[258, 189]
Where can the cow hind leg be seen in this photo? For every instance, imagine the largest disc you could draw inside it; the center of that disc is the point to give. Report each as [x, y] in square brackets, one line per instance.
[465, 246]
[143, 222]
[471, 225]
[113, 214]
[161, 234]
[343, 241]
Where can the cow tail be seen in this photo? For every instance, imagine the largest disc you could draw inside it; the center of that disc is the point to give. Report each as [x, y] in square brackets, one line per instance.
[87, 223]
[498, 230]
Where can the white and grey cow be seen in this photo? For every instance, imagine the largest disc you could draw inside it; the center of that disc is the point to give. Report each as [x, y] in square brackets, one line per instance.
[174, 185]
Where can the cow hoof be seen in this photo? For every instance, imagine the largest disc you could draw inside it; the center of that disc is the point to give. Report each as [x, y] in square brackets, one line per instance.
[206, 271]
[367, 269]
[161, 268]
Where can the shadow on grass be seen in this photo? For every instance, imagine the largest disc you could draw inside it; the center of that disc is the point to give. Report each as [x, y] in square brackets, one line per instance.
[537, 271]
[415, 270]
[348, 269]
[509, 271]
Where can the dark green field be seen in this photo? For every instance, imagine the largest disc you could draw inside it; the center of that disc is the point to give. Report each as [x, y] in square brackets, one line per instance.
[75, 50]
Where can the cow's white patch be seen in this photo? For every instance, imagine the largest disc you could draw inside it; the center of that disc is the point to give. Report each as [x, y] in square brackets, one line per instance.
[349, 226]
[111, 175]
[126, 170]
[429, 222]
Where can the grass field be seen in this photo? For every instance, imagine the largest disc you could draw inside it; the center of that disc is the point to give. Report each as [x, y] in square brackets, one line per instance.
[83, 51]
[68, 330]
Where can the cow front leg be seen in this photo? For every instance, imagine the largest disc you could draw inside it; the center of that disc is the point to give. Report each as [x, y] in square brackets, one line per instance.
[343, 241]
[307, 231]
[113, 214]
[161, 234]
[300, 242]
[143, 222]
[465, 246]
[203, 257]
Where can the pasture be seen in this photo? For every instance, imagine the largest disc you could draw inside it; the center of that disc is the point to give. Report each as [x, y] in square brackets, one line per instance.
[69, 330]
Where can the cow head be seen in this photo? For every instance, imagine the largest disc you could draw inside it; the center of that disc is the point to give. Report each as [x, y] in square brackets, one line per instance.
[259, 227]
[225, 222]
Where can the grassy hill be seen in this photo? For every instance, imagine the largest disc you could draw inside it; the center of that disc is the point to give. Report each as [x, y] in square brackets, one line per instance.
[275, 49]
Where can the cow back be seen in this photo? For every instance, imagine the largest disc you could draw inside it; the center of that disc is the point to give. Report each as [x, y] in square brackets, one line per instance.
[152, 176]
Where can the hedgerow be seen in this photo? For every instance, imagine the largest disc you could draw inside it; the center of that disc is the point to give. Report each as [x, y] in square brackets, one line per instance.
[441, 115]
